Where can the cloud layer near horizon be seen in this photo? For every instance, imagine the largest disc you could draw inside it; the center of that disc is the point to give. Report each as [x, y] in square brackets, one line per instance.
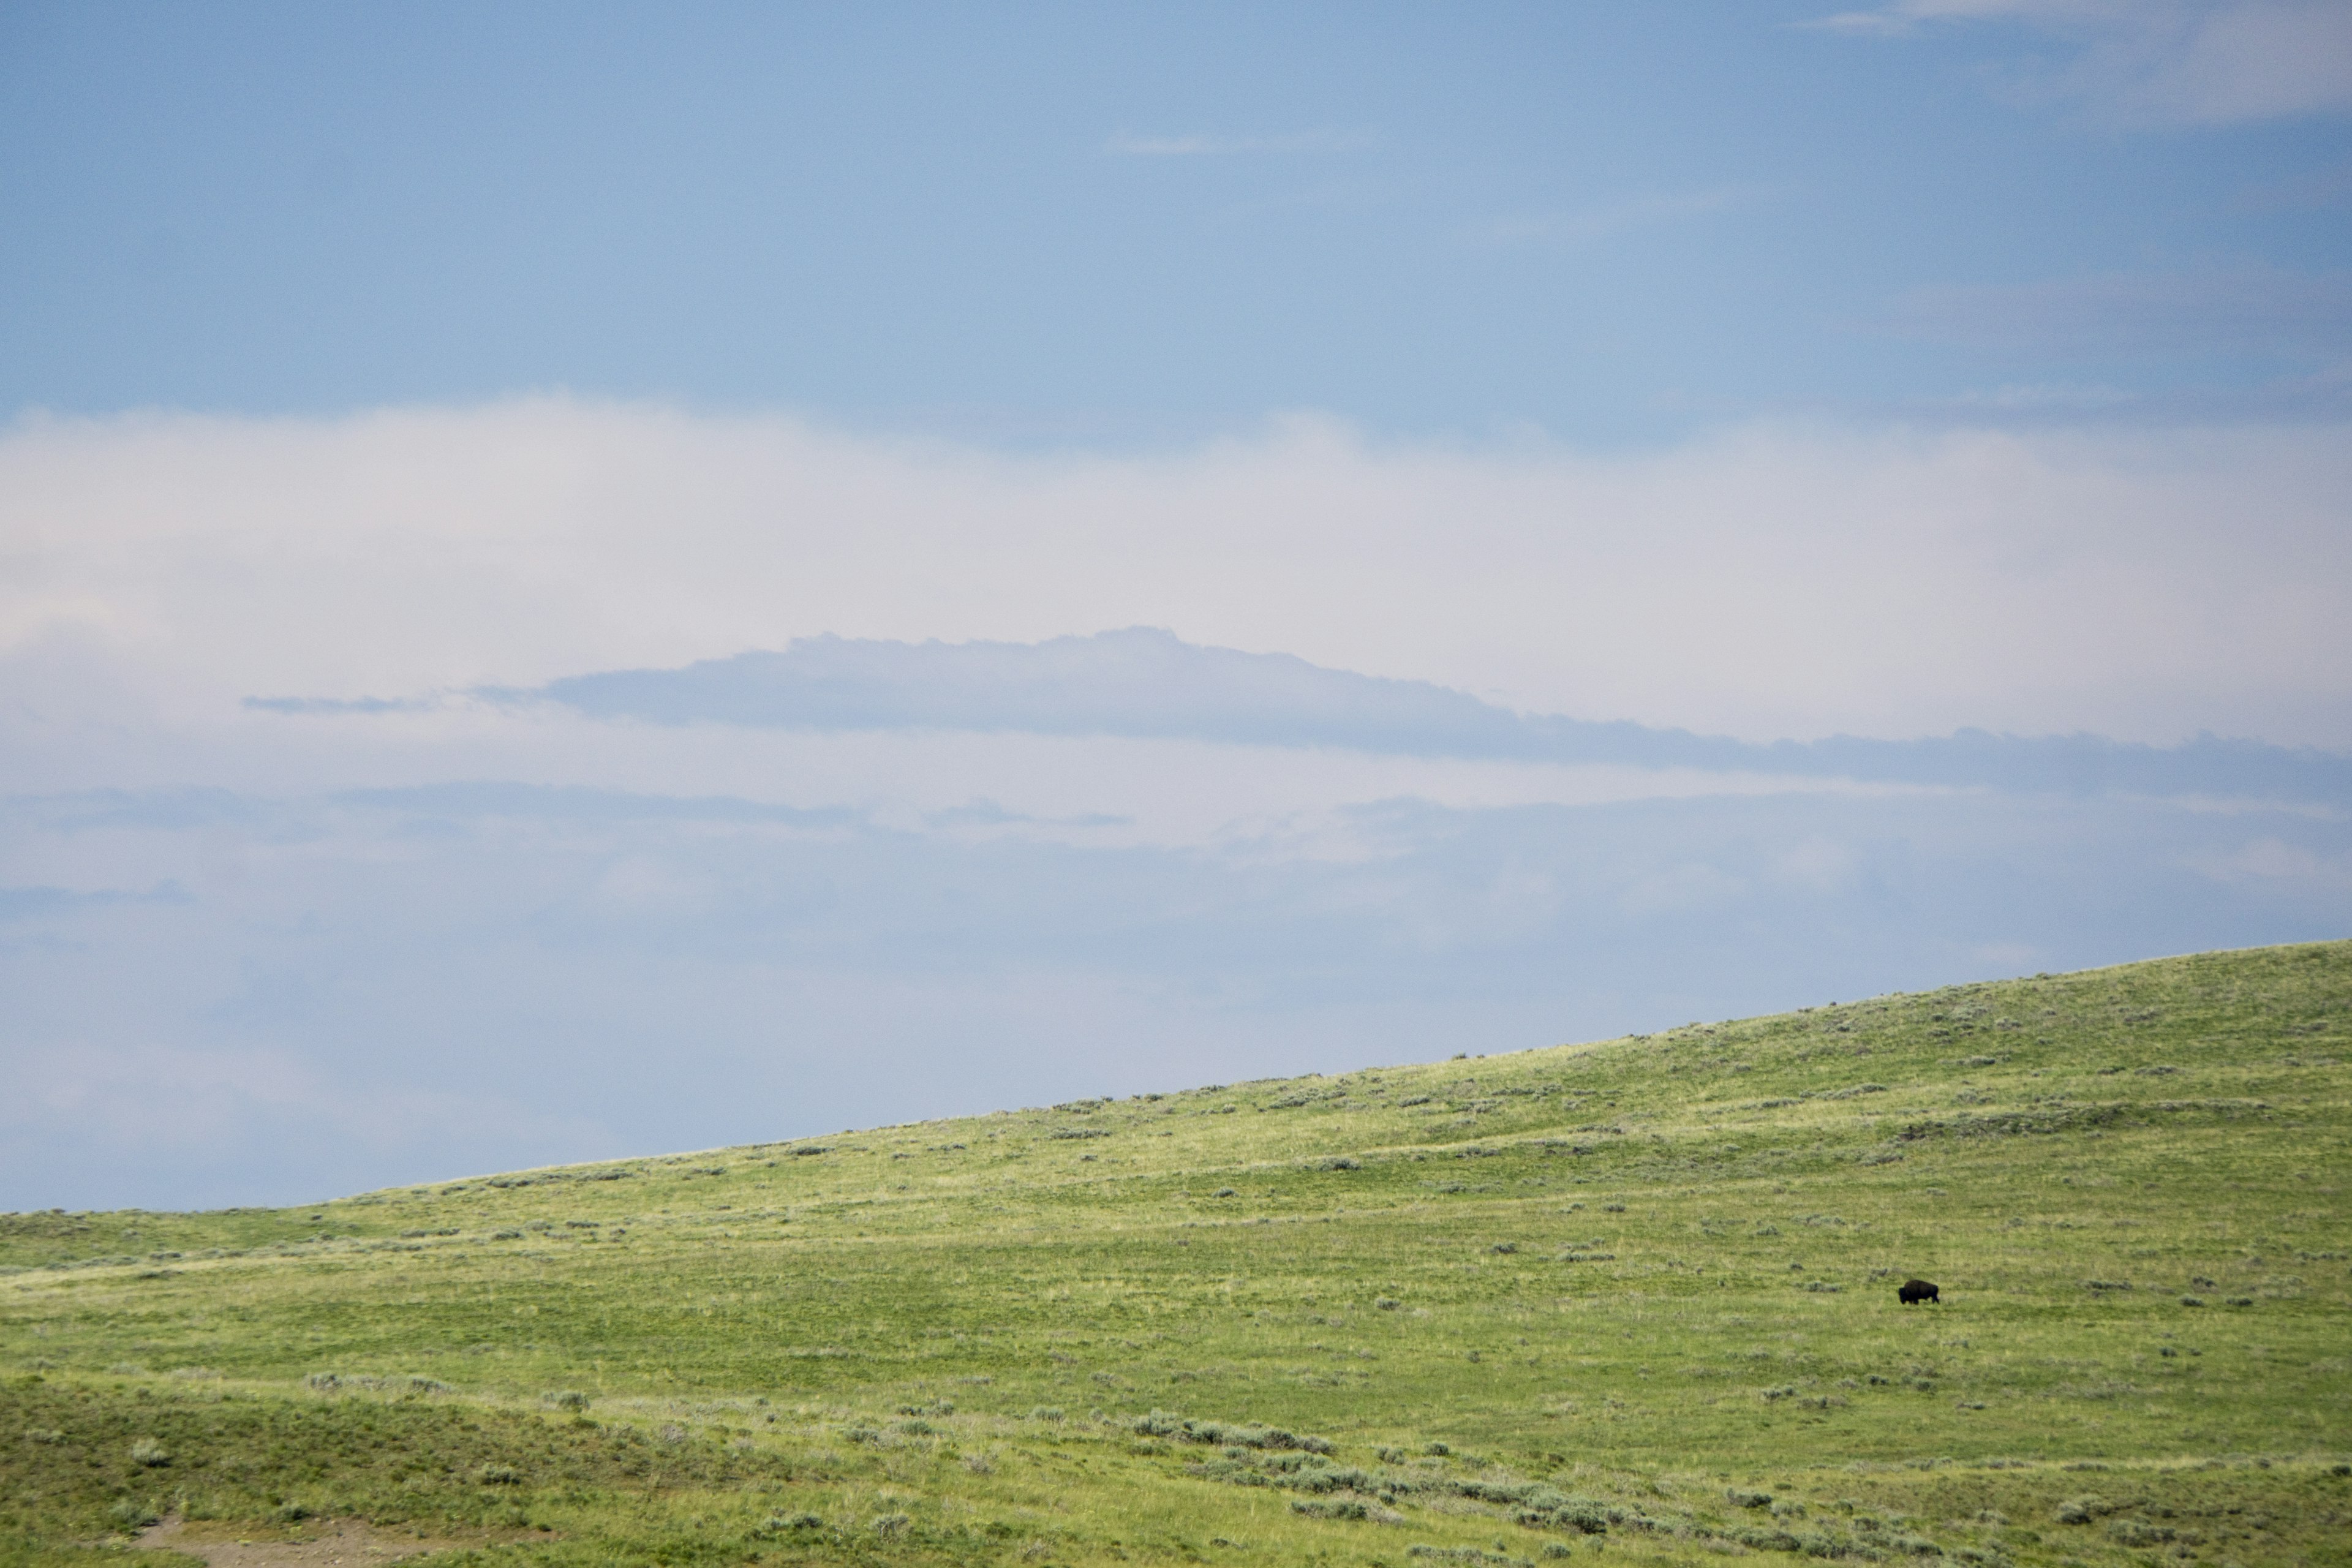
[1143, 682]
[1766, 584]
[514, 878]
[309, 995]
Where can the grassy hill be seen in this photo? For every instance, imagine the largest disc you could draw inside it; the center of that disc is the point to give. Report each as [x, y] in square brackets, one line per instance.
[1634, 1297]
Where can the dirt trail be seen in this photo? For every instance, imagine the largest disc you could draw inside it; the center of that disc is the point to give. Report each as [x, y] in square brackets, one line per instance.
[320, 1543]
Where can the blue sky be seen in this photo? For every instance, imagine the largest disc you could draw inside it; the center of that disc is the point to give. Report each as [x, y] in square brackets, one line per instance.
[1093, 223]
[584, 579]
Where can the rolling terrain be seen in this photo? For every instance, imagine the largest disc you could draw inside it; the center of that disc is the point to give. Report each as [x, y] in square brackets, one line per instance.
[1634, 1297]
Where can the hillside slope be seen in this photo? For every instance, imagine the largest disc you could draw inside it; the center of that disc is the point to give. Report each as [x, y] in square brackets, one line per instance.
[1638, 1294]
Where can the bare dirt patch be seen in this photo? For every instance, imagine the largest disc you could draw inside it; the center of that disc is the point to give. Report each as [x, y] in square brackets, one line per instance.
[317, 1543]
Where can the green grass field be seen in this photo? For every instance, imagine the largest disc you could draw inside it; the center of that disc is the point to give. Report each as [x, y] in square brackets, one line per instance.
[1634, 1299]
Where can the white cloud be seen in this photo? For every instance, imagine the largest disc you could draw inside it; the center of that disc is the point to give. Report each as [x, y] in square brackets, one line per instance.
[2205, 62]
[1767, 581]
[2276, 861]
[1822, 864]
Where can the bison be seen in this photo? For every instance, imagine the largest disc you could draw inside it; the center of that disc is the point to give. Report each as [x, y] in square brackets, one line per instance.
[1913, 1290]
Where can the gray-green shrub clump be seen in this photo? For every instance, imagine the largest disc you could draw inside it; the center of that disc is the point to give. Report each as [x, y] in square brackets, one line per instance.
[1162, 1424]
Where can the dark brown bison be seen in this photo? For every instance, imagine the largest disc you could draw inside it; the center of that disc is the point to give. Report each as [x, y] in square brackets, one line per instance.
[1913, 1290]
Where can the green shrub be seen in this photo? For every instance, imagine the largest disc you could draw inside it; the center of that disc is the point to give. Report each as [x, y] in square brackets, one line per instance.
[131, 1513]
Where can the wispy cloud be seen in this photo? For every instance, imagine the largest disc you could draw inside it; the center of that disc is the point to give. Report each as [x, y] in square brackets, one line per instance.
[1900, 18]
[2204, 62]
[1324, 139]
[339, 704]
[2319, 395]
[50, 903]
[2271, 859]
[2237, 311]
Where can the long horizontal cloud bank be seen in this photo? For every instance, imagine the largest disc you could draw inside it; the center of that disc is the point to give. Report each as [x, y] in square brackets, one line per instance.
[1764, 583]
[1143, 682]
[622, 779]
